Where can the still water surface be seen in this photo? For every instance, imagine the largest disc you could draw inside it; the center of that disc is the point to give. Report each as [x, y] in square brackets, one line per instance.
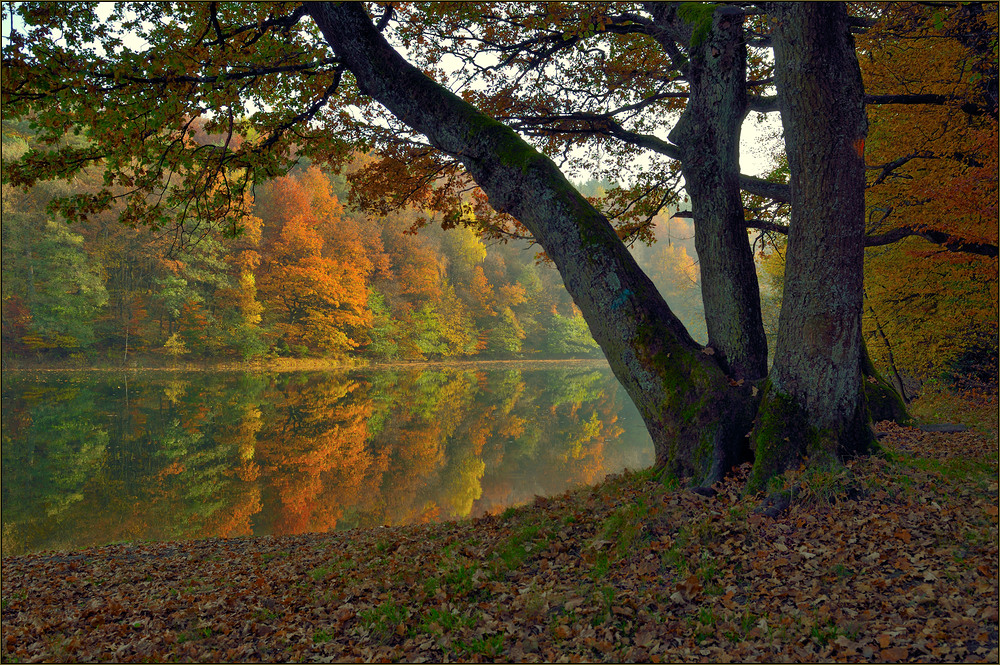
[94, 458]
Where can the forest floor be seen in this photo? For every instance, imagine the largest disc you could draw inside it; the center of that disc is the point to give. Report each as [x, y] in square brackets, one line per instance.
[891, 559]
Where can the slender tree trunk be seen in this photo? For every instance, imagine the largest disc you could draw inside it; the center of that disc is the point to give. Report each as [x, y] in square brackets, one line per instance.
[884, 401]
[897, 380]
[694, 415]
[814, 405]
[708, 134]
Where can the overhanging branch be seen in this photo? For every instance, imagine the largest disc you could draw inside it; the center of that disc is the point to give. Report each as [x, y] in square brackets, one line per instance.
[775, 191]
[769, 104]
[946, 240]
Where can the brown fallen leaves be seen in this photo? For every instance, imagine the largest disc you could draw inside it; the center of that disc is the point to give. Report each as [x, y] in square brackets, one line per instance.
[885, 561]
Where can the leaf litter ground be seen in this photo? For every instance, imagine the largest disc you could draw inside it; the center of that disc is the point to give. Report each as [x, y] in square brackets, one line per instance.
[885, 561]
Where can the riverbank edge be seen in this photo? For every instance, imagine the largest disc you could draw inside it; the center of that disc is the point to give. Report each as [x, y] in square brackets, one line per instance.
[280, 365]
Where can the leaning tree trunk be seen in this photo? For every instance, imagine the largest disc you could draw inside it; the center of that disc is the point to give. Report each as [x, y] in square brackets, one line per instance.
[708, 134]
[814, 406]
[695, 415]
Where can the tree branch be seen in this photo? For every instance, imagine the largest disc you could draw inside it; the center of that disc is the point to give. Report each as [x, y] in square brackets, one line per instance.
[909, 99]
[284, 22]
[769, 104]
[231, 76]
[775, 191]
[887, 169]
[762, 104]
[946, 240]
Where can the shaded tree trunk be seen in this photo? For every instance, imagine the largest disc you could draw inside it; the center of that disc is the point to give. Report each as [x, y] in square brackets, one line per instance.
[814, 405]
[694, 415]
[708, 135]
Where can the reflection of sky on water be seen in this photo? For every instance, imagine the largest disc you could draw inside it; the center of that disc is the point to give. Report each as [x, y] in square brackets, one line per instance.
[89, 459]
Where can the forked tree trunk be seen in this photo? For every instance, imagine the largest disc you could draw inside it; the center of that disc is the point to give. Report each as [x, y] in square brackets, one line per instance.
[694, 414]
[814, 405]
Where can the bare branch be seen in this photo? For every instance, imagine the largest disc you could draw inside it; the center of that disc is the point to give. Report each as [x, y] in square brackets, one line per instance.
[762, 104]
[946, 240]
[909, 99]
[887, 169]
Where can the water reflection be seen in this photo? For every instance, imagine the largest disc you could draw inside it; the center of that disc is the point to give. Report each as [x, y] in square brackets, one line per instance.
[89, 459]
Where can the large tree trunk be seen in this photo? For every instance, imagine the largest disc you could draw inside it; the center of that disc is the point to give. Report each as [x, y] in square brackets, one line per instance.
[708, 134]
[813, 406]
[694, 415]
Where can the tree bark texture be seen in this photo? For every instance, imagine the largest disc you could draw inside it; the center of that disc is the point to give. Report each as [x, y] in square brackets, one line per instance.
[693, 414]
[708, 133]
[814, 404]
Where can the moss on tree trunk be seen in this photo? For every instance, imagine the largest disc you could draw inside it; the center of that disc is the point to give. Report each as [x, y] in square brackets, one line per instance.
[814, 407]
[697, 420]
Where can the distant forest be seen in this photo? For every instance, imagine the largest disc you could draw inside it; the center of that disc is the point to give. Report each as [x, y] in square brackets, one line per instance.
[307, 275]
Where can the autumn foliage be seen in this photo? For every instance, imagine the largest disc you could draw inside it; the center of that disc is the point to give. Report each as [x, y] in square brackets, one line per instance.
[933, 169]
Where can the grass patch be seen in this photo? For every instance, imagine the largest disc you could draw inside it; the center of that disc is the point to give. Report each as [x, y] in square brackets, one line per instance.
[599, 569]
[606, 601]
[624, 526]
[955, 469]
[841, 571]
[708, 573]
[824, 633]
[384, 618]
[490, 646]
[515, 551]
[459, 579]
[320, 573]
[431, 585]
[439, 622]
[674, 558]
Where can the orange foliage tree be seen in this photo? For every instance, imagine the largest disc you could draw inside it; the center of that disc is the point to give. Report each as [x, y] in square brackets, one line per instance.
[314, 286]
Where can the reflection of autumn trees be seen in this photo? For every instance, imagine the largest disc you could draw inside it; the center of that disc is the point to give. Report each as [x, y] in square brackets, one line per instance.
[312, 452]
[87, 460]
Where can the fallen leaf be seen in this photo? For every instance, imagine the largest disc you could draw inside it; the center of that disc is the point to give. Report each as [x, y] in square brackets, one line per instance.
[894, 653]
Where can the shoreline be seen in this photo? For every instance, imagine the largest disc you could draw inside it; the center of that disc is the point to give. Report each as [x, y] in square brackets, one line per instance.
[316, 364]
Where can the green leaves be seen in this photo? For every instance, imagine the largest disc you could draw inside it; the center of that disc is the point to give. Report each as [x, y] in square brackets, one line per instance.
[135, 79]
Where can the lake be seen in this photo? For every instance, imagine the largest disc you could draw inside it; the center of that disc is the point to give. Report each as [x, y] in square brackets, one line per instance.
[90, 458]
